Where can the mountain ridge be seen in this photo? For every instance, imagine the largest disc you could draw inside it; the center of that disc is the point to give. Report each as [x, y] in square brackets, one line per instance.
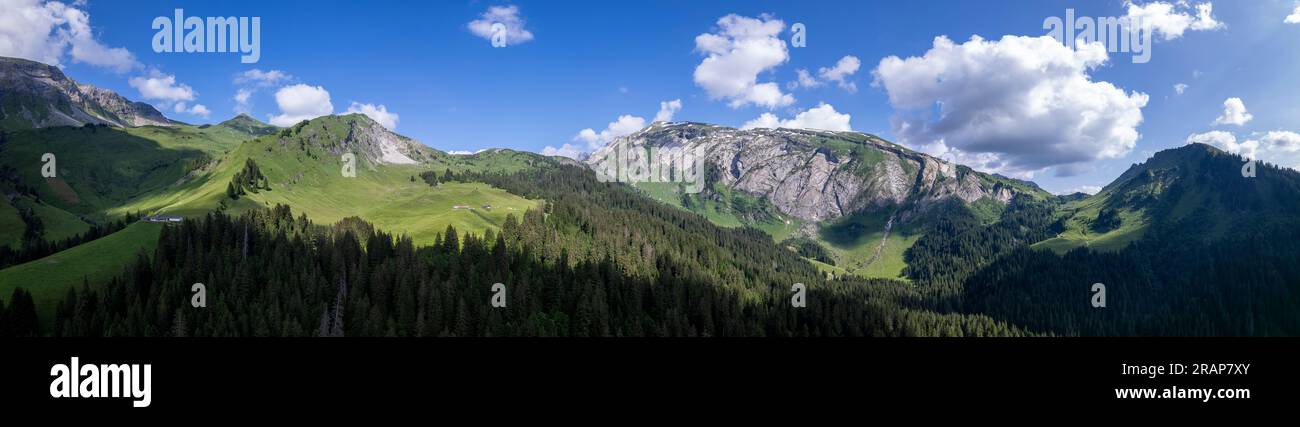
[36, 95]
[819, 175]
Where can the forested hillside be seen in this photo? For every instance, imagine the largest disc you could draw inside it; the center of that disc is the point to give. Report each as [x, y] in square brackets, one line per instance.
[597, 260]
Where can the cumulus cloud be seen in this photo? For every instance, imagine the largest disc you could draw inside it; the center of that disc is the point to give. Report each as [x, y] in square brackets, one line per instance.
[1014, 106]
[196, 109]
[47, 31]
[822, 117]
[1285, 141]
[841, 72]
[803, 79]
[243, 100]
[1085, 189]
[261, 78]
[379, 114]
[1234, 113]
[504, 15]
[1226, 142]
[1180, 88]
[740, 50]
[567, 150]
[624, 125]
[301, 102]
[667, 109]
[251, 81]
[1171, 20]
[1294, 17]
[1278, 145]
[159, 86]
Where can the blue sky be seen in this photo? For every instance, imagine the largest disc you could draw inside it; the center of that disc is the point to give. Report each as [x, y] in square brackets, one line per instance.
[588, 63]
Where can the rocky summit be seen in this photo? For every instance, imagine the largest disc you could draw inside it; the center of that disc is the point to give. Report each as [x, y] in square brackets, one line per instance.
[36, 95]
[821, 175]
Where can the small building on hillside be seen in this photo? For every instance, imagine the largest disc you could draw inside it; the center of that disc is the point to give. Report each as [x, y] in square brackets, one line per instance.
[163, 218]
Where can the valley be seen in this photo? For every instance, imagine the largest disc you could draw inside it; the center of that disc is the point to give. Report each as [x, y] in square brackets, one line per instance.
[889, 241]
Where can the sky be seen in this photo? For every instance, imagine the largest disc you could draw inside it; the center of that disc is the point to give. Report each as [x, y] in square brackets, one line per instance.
[981, 83]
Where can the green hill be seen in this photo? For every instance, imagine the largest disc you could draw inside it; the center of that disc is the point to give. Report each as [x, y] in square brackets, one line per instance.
[1197, 189]
[49, 278]
[303, 168]
[107, 172]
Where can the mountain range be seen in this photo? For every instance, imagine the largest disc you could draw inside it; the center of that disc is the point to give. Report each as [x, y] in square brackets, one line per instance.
[911, 238]
[35, 95]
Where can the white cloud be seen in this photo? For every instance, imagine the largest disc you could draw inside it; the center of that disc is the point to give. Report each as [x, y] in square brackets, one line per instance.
[196, 109]
[742, 49]
[625, 124]
[841, 72]
[667, 109]
[804, 79]
[379, 114]
[251, 81]
[1180, 88]
[301, 102]
[1234, 113]
[1085, 189]
[262, 78]
[1294, 17]
[88, 50]
[1015, 106]
[243, 98]
[838, 74]
[504, 15]
[567, 150]
[1226, 142]
[161, 87]
[1171, 20]
[46, 31]
[1285, 141]
[823, 117]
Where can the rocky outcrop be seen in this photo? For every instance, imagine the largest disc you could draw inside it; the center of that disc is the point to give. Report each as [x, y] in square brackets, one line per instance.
[815, 175]
[119, 110]
[35, 95]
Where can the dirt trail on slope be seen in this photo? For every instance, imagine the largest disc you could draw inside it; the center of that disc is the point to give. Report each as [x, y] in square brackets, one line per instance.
[885, 238]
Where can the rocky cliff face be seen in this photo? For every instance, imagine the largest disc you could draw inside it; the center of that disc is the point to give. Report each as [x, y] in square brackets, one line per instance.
[35, 95]
[357, 134]
[119, 110]
[817, 175]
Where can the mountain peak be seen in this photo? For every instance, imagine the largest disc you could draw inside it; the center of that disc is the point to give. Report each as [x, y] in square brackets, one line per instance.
[247, 124]
[817, 175]
[35, 95]
[359, 134]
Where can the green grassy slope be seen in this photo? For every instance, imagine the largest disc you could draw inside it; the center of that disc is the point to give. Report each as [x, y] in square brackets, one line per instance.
[1076, 219]
[59, 224]
[49, 278]
[185, 170]
[304, 170]
[99, 168]
[11, 225]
